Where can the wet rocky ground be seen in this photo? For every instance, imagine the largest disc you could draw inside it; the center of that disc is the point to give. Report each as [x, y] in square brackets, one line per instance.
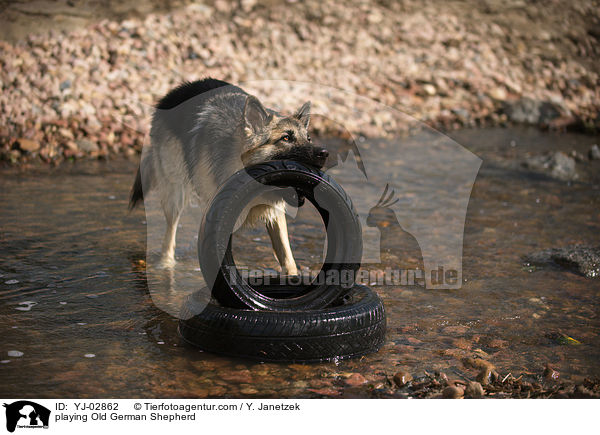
[87, 92]
[76, 309]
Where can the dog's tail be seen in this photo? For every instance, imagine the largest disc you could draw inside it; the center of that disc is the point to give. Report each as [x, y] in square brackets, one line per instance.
[144, 179]
[137, 191]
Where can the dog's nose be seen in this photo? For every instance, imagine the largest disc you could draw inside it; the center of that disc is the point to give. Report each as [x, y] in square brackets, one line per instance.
[323, 154]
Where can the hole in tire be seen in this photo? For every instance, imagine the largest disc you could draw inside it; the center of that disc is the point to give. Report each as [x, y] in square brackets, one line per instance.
[255, 258]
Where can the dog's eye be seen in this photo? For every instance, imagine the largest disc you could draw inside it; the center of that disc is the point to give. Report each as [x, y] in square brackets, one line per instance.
[308, 138]
[286, 138]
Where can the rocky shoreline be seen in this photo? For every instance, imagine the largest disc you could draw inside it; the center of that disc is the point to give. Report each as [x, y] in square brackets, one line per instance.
[488, 383]
[448, 65]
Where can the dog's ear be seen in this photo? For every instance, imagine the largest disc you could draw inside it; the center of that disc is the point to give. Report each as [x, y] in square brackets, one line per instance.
[255, 115]
[303, 114]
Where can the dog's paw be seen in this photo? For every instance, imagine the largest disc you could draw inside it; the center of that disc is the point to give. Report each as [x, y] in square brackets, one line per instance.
[166, 263]
[290, 270]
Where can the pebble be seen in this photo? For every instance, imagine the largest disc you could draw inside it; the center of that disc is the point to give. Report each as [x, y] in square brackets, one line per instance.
[15, 353]
[28, 145]
[65, 85]
[477, 363]
[86, 145]
[550, 374]
[25, 305]
[429, 89]
[90, 355]
[453, 392]
[355, 380]
[402, 378]
[474, 390]
[11, 281]
[498, 94]
[484, 377]
[594, 153]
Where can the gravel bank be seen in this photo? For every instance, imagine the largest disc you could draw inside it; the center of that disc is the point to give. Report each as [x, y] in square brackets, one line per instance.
[448, 64]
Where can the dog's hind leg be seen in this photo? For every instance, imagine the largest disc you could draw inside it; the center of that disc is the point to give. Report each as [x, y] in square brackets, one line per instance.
[278, 232]
[173, 202]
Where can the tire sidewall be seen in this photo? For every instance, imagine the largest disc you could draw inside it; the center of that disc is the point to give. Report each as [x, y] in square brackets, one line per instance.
[344, 235]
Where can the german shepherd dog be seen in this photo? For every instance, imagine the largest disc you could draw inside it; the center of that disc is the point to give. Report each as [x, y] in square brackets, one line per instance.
[202, 133]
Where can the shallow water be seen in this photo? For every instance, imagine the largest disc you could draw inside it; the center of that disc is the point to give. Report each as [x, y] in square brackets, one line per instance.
[74, 298]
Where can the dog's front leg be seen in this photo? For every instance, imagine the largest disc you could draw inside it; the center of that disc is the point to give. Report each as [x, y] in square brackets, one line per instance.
[278, 232]
[168, 246]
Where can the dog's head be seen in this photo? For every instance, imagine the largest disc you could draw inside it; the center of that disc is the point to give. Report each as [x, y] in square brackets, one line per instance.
[269, 136]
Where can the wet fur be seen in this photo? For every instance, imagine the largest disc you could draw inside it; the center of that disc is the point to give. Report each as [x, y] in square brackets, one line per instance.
[205, 131]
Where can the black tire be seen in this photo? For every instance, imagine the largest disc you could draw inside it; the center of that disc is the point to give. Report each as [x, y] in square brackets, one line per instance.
[353, 328]
[344, 236]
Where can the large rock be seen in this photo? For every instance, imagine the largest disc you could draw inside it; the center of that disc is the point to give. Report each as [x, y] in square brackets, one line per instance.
[529, 111]
[582, 259]
[557, 165]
